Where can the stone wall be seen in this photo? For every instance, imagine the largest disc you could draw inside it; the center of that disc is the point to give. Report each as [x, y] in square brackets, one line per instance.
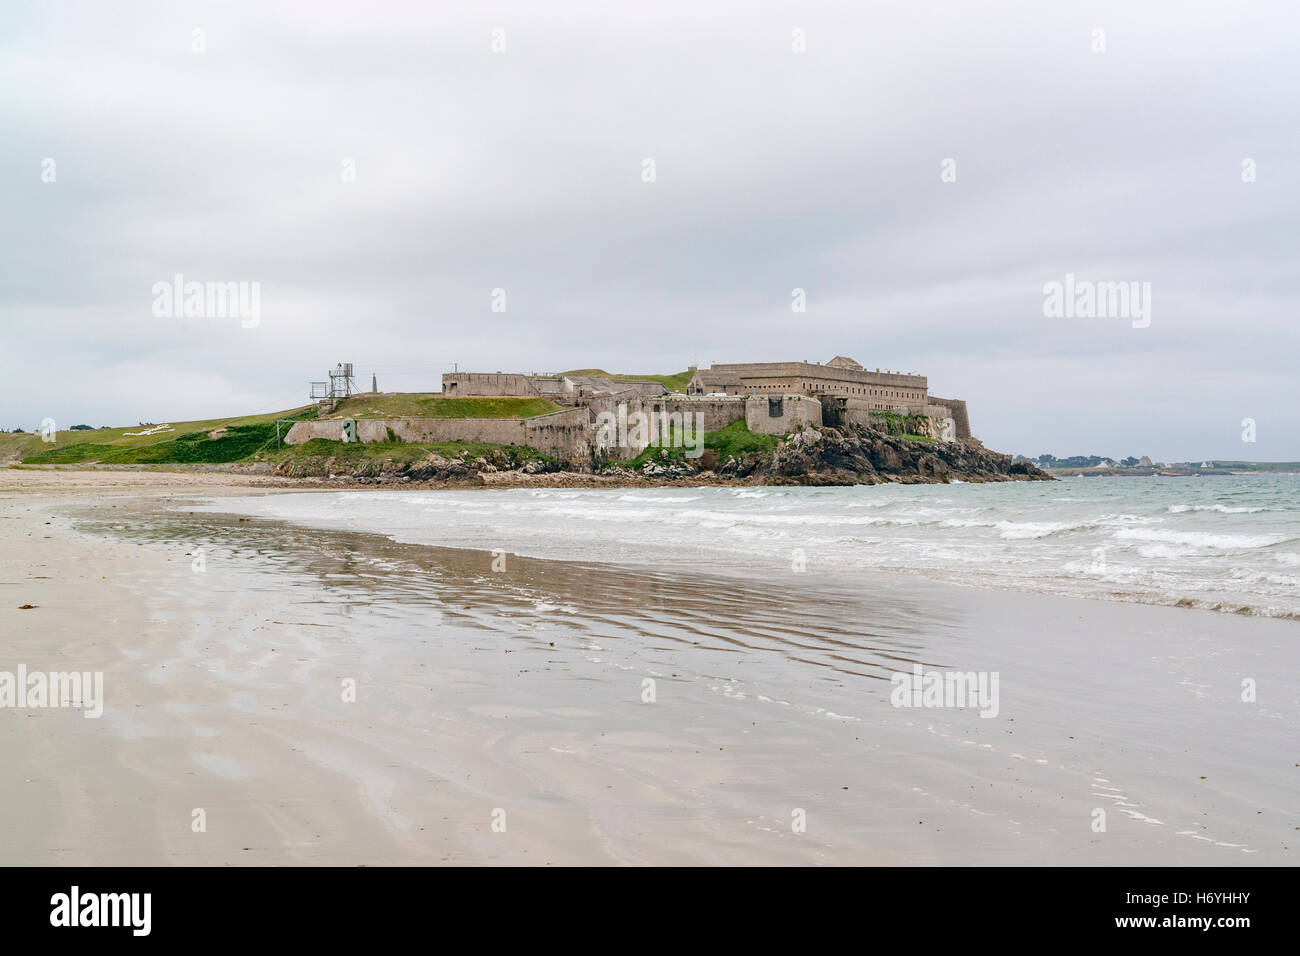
[961, 419]
[812, 378]
[368, 430]
[562, 434]
[838, 410]
[781, 414]
[716, 412]
[643, 389]
[858, 410]
[548, 386]
[626, 441]
[487, 384]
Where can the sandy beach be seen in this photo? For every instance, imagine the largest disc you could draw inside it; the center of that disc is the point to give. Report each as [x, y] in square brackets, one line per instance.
[558, 712]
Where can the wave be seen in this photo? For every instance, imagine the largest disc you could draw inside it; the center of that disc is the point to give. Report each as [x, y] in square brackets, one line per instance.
[1156, 547]
[1201, 539]
[1221, 509]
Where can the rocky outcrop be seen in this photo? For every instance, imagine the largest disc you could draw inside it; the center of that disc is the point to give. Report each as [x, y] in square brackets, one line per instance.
[852, 455]
[849, 455]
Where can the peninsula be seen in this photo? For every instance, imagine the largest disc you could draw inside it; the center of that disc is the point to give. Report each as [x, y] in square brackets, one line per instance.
[835, 423]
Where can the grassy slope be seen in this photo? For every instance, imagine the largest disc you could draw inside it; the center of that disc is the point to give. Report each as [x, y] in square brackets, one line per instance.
[674, 383]
[735, 440]
[108, 440]
[252, 438]
[435, 405]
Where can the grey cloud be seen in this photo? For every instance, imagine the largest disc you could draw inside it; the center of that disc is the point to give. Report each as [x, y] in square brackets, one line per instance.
[775, 171]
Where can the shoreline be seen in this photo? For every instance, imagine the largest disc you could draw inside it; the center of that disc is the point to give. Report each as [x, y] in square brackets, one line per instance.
[137, 480]
[498, 479]
[523, 692]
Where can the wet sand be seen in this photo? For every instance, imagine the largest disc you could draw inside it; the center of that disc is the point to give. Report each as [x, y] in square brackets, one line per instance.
[521, 695]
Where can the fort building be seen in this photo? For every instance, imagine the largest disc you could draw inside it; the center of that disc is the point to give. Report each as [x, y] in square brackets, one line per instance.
[838, 391]
[773, 398]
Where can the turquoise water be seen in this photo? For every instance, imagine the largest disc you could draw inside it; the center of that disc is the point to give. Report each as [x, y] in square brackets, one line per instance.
[1223, 543]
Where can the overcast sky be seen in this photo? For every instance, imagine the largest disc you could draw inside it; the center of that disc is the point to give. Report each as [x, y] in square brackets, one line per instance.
[774, 169]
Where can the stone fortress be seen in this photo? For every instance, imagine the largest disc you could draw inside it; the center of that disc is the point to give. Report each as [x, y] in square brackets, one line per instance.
[773, 398]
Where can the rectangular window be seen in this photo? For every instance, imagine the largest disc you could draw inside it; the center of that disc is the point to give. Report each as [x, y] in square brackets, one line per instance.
[774, 407]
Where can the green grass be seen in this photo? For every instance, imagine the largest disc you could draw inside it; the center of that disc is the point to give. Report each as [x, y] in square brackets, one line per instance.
[118, 446]
[918, 438]
[71, 454]
[401, 451]
[435, 405]
[253, 437]
[735, 440]
[239, 443]
[901, 426]
[674, 383]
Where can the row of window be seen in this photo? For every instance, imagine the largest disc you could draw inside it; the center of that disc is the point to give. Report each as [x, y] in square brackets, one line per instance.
[847, 389]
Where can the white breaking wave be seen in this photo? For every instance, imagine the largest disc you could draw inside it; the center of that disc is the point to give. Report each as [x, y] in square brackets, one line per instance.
[1156, 540]
[1197, 539]
[1222, 509]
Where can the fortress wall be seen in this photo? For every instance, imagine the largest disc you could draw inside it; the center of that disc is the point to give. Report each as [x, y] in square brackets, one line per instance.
[716, 412]
[959, 415]
[644, 389]
[561, 434]
[797, 374]
[495, 431]
[368, 430]
[777, 415]
[713, 414]
[552, 388]
[486, 384]
[303, 432]
[371, 430]
[858, 411]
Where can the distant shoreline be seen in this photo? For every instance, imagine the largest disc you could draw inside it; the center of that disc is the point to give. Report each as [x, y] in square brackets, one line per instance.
[1159, 472]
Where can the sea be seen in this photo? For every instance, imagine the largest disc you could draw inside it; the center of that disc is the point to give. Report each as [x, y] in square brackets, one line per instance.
[1225, 543]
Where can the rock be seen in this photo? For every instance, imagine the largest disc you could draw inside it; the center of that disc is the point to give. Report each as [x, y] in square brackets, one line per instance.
[1029, 470]
[854, 454]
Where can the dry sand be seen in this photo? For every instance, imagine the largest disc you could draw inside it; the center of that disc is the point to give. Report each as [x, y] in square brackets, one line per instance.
[522, 694]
